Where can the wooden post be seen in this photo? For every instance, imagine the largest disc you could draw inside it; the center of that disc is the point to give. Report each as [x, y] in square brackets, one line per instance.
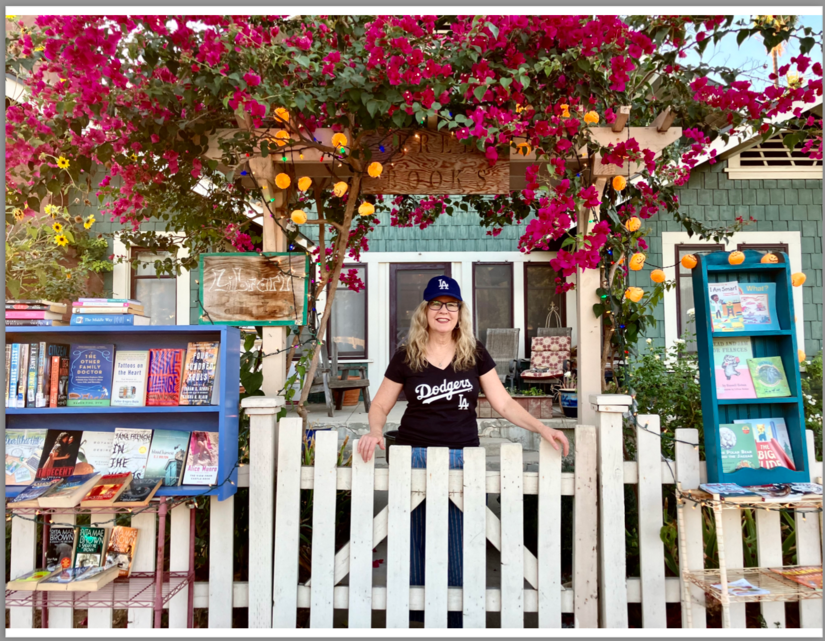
[22, 561]
[808, 549]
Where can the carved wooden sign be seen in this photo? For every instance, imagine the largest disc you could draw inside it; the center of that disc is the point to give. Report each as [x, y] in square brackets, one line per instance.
[253, 289]
[435, 163]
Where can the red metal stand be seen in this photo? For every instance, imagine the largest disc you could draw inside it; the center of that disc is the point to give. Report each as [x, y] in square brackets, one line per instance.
[159, 564]
[44, 622]
[190, 622]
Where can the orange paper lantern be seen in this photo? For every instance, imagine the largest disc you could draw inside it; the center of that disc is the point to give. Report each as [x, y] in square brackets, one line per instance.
[769, 258]
[637, 261]
[657, 276]
[689, 261]
[736, 258]
[299, 217]
[798, 279]
[634, 294]
[800, 355]
[633, 223]
[619, 183]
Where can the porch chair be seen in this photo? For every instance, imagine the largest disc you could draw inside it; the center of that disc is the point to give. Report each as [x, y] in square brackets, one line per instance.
[326, 380]
[502, 344]
[549, 358]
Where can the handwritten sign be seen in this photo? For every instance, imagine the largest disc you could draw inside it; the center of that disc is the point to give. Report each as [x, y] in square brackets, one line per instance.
[254, 289]
[434, 163]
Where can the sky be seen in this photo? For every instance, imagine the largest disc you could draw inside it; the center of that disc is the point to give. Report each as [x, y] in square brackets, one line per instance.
[752, 55]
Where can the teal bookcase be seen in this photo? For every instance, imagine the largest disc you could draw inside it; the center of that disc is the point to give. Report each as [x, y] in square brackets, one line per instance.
[714, 268]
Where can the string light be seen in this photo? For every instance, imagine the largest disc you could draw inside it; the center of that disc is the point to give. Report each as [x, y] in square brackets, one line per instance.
[381, 148]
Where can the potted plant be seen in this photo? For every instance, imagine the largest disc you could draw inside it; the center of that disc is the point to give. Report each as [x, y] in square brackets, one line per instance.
[569, 395]
[535, 400]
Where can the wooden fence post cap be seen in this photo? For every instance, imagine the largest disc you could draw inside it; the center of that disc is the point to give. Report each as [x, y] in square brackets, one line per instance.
[611, 399]
[262, 404]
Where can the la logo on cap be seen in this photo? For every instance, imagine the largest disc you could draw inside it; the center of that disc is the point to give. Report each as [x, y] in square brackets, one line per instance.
[442, 284]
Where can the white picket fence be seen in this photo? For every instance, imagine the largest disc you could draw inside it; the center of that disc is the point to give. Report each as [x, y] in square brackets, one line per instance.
[343, 580]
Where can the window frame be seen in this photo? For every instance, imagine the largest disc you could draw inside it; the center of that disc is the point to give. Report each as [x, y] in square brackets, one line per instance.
[708, 247]
[512, 292]
[350, 356]
[764, 247]
[134, 252]
[562, 307]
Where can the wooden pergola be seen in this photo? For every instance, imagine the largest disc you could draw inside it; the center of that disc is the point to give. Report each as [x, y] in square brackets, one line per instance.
[312, 162]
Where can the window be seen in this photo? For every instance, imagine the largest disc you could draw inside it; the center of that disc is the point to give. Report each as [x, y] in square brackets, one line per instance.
[772, 159]
[492, 297]
[543, 307]
[159, 294]
[684, 287]
[764, 247]
[407, 284]
[348, 320]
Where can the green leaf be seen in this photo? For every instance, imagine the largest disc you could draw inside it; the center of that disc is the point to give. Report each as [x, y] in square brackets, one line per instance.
[805, 45]
[493, 28]
[372, 107]
[742, 36]
[264, 148]
[398, 118]
[506, 82]
[249, 342]
[791, 141]
[302, 60]
[479, 92]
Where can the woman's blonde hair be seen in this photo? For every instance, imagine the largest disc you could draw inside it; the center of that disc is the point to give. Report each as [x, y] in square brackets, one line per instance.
[418, 336]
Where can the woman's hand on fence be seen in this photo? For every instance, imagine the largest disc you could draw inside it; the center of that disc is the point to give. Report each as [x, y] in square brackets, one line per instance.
[366, 446]
[556, 438]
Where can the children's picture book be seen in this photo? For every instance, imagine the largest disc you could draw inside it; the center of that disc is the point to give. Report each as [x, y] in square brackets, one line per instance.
[139, 492]
[759, 306]
[131, 376]
[807, 575]
[121, 549]
[106, 490]
[200, 370]
[742, 588]
[90, 375]
[730, 363]
[59, 454]
[130, 450]
[725, 307]
[772, 442]
[95, 452]
[731, 492]
[164, 376]
[28, 582]
[60, 548]
[167, 455]
[90, 550]
[768, 376]
[24, 448]
[71, 491]
[776, 492]
[738, 447]
[29, 497]
[202, 460]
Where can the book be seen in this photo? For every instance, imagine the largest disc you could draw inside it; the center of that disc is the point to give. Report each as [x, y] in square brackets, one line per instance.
[20, 314]
[8, 367]
[202, 459]
[725, 307]
[35, 323]
[59, 454]
[47, 305]
[164, 376]
[121, 549]
[60, 548]
[759, 306]
[59, 580]
[808, 489]
[24, 448]
[113, 310]
[29, 581]
[776, 492]
[113, 319]
[31, 383]
[738, 447]
[91, 579]
[90, 550]
[59, 388]
[44, 376]
[139, 492]
[106, 490]
[130, 378]
[130, 301]
[14, 373]
[200, 374]
[728, 491]
[768, 376]
[71, 491]
[742, 588]
[167, 455]
[30, 496]
[90, 375]
[22, 375]
[772, 442]
[730, 368]
[106, 305]
[130, 449]
[95, 452]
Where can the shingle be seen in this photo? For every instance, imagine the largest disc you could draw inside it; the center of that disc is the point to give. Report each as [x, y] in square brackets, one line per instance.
[769, 184]
[710, 180]
[720, 197]
[777, 196]
[791, 197]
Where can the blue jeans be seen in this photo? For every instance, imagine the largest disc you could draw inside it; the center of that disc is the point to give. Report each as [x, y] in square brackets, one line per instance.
[455, 539]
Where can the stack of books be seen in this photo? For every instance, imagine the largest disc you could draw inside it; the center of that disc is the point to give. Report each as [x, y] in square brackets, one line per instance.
[35, 313]
[108, 311]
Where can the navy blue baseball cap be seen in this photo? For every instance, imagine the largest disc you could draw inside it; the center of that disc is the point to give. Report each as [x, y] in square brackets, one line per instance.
[442, 286]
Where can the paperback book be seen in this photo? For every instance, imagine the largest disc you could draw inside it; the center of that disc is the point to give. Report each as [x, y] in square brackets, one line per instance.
[730, 363]
[45, 379]
[90, 375]
[29, 581]
[70, 492]
[130, 450]
[199, 386]
[31, 383]
[106, 490]
[742, 587]
[164, 376]
[95, 452]
[202, 460]
[776, 492]
[110, 319]
[167, 455]
[772, 442]
[759, 306]
[738, 447]
[37, 305]
[91, 547]
[121, 549]
[725, 307]
[139, 493]
[768, 376]
[60, 549]
[131, 376]
[22, 375]
[728, 491]
[24, 449]
[30, 496]
[59, 389]
[14, 374]
[60, 579]
[8, 367]
[59, 454]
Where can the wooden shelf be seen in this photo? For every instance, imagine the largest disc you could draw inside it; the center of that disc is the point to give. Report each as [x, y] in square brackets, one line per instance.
[780, 589]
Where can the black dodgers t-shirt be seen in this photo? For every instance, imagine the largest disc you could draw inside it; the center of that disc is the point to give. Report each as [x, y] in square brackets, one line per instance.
[441, 409]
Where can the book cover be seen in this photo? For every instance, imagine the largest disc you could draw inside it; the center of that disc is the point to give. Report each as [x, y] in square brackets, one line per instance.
[31, 384]
[738, 447]
[38, 488]
[121, 549]
[139, 492]
[167, 455]
[59, 454]
[130, 301]
[24, 449]
[59, 390]
[91, 547]
[106, 490]
[28, 581]
[48, 351]
[725, 307]
[70, 492]
[91, 579]
[90, 375]
[60, 548]
[118, 309]
[110, 319]
[41, 382]
[727, 491]
[19, 314]
[130, 450]
[8, 367]
[14, 374]
[164, 376]
[776, 492]
[742, 587]
[730, 368]
[35, 323]
[772, 442]
[39, 306]
[130, 379]
[200, 369]
[22, 375]
[807, 488]
[106, 305]
[95, 452]
[202, 460]
[768, 376]
[59, 580]
[759, 306]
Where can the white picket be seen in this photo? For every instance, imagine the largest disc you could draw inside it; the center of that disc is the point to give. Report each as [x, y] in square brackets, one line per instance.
[475, 538]
[808, 549]
[22, 561]
[144, 561]
[362, 541]
[101, 617]
[512, 531]
[436, 554]
[687, 473]
[287, 524]
[179, 562]
[769, 554]
[734, 559]
[221, 557]
[323, 528]
[585, 530]
[651, 549]
[549, 535]
[398, 538]
[64, 617]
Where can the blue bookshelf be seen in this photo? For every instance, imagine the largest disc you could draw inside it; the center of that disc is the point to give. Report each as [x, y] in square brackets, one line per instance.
[714, 268]
[221, 418]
